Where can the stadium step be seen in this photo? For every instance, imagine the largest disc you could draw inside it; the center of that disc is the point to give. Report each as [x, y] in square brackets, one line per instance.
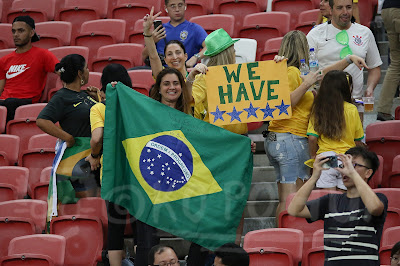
[263, 173]
[251, 224]
[260, 159]
[263, 191]
[260, 208]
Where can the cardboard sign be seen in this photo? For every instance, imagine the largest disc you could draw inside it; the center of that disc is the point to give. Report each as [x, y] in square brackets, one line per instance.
[251, 92]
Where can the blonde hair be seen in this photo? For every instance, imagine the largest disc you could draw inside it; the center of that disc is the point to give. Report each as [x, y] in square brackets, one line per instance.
[294, 46]
[225, 57]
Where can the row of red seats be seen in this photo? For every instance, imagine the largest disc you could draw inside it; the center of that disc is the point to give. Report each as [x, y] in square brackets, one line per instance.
[132, 10]
[284, 246]
[83, 225]
[94, 34]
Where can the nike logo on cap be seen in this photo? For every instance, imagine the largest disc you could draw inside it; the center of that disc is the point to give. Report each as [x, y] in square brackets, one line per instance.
[16, 70]
[76, 104]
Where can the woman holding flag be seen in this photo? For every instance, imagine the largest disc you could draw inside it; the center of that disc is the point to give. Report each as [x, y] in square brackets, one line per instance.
[70, 106]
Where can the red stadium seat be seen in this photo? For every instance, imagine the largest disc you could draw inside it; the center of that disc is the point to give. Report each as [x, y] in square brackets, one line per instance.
[79, 11]
[3, 117]
[211, 23]
[389, 237]
[39, 10]
[198, 8]
[288, 221]
[142, 80]
[133, 10]
[397, 113]
[271, 49]
[24, 123]
[94, 80]
[376, 179]
[84, 235]
[95, 207]
[61, 52]
[97, 33]
[254, 125]
[40, 189]
[293, 7]
[49, 245]
[383, 138]
[394, 176]
[307, 20]
[127, 54]
[277, 241]
[20, 217]
[6, 5]
[136, 35]
[39, 155]
[6, 38]
[315, 255]
[368, 10]
[53, 34]
[14, 179]
[26, 259]
[5, 52]
[264, 26]
[239, 9]
[9, 149]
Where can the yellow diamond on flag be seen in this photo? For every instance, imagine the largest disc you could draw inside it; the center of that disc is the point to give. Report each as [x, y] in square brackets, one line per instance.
[168, 167]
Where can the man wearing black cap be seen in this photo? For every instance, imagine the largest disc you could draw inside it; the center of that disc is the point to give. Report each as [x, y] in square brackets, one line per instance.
[23, 72]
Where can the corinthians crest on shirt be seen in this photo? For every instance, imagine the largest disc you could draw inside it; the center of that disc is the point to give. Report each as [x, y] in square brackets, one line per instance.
[168, 167]
[183, 35]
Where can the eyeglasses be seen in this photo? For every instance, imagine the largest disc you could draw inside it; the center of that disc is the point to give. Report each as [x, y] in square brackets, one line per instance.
[343, 38]
[170, 263]
[360, 165]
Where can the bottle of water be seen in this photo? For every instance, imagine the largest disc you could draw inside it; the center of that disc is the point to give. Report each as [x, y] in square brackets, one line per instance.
[304, 69]
[313, 62]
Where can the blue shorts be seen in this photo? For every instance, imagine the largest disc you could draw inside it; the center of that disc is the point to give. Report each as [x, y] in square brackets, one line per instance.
[287, 154]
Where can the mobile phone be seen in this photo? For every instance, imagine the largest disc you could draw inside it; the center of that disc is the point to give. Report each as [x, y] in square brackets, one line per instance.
[331, 163]
[157, 23]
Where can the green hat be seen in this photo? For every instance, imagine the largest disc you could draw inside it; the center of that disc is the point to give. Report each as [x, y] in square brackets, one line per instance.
[218, 41]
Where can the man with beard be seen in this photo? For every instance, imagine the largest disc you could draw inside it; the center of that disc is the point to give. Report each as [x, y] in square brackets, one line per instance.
[340, 38]
[23, 72]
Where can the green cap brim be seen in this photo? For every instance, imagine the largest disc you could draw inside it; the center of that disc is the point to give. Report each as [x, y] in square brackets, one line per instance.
[206, 53]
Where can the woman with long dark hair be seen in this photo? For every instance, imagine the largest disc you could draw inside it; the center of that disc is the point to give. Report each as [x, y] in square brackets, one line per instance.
[334, 125]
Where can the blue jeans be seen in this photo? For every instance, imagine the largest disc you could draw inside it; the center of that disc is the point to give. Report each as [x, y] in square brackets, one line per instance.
[287, 154]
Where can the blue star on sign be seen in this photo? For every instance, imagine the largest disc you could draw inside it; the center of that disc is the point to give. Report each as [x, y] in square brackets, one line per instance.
[268, 111]
[283, 108]
[218, 114]
[235, 114]
[251, 111]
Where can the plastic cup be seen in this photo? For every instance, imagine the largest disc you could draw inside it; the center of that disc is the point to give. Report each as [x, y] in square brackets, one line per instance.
[368, 104]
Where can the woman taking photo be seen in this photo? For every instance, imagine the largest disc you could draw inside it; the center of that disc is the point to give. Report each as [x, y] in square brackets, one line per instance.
[70, 106]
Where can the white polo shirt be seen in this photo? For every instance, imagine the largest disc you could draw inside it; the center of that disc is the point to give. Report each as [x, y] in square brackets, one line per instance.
[361, 41]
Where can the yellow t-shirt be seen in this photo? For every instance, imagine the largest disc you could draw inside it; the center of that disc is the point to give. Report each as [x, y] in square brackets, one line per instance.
[199, 92]
[298, 123]
[353, 132]
[97, 116]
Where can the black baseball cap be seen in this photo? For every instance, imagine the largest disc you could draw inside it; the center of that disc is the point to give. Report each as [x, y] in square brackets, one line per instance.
[28, 20]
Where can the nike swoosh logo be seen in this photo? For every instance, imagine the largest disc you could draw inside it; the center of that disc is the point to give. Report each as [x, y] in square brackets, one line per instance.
[13, 75]
[75, 105]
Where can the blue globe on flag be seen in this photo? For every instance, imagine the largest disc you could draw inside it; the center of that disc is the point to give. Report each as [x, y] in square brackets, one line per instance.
[166, 163]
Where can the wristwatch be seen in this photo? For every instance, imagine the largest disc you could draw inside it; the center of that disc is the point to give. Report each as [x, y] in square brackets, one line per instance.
[197, 56]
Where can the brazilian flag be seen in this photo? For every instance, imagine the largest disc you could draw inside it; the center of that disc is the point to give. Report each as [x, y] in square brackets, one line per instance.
[69, 165]
[173, 171]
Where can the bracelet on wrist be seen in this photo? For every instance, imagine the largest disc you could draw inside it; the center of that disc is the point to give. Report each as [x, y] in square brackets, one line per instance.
[148, 36]
[95, 156]
[189, 80]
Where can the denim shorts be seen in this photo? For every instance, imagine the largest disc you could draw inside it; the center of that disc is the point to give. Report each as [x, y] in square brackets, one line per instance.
[287, 154]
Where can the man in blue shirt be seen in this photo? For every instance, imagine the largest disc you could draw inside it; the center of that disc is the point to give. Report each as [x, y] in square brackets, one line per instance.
[178, 28]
